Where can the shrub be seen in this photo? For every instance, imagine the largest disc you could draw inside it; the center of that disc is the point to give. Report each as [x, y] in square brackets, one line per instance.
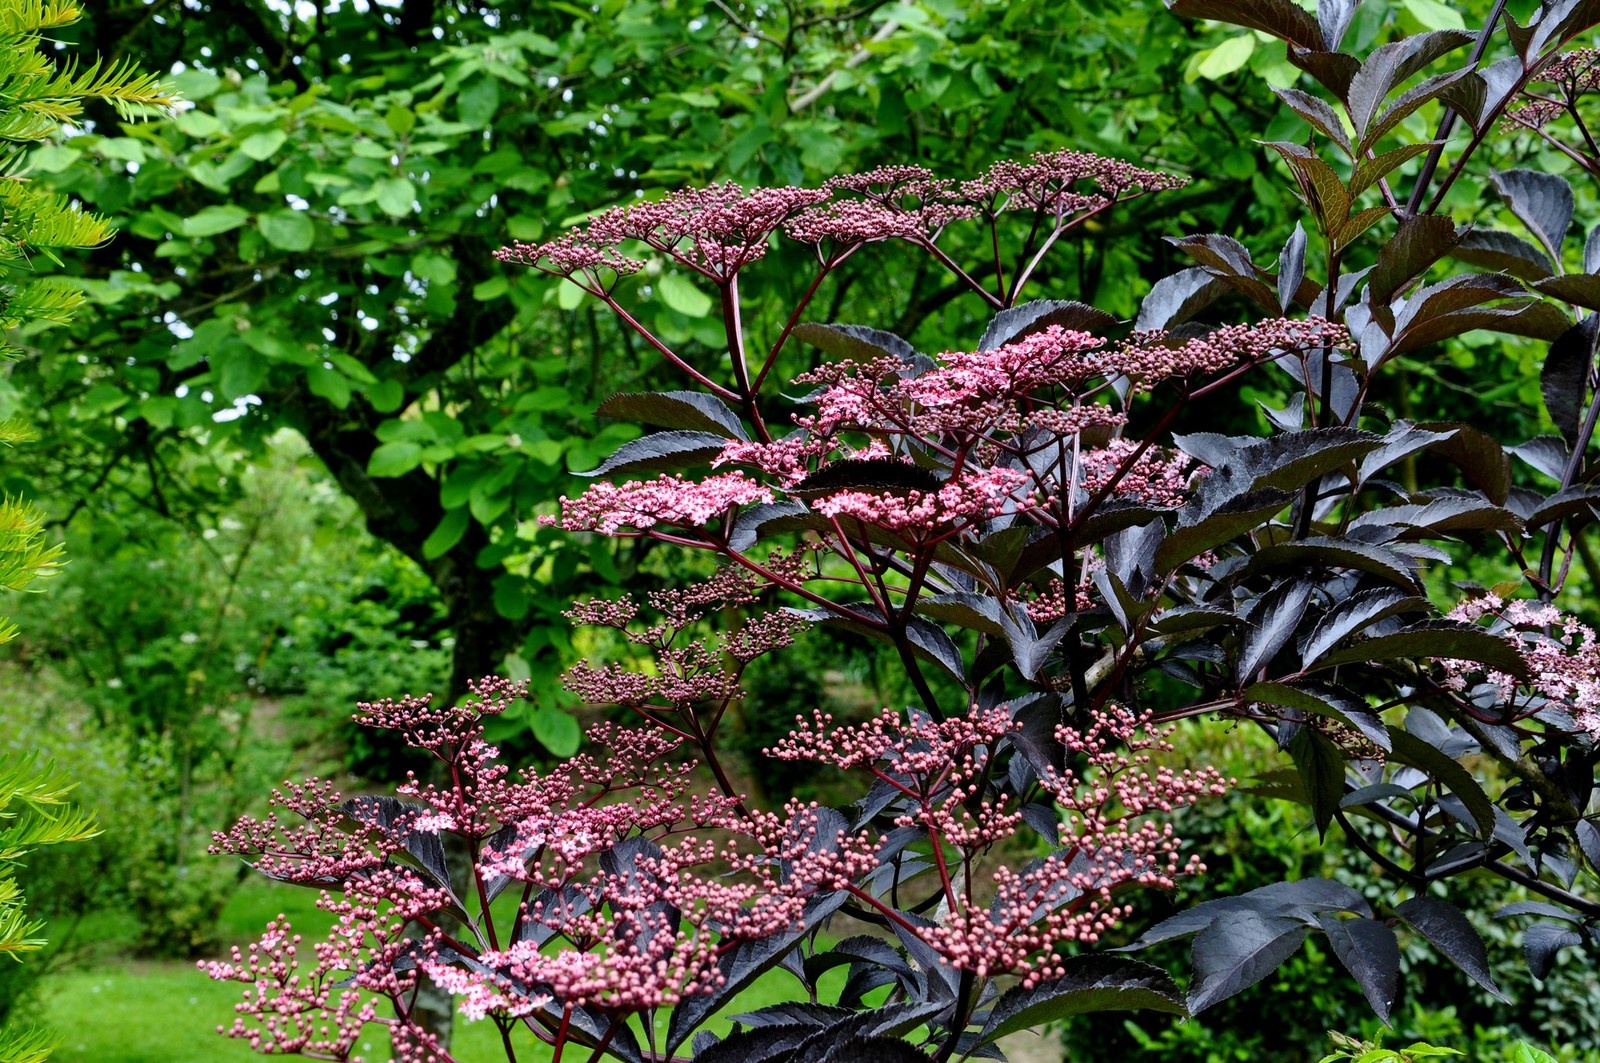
[1061, 577]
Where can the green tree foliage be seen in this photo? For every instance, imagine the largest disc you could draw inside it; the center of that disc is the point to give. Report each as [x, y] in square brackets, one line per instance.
[308, 245]
[36, 97]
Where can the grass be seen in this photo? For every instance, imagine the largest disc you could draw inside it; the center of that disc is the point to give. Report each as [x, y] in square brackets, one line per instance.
[167, 1012]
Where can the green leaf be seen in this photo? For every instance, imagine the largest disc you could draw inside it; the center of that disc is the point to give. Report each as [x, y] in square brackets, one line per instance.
[556, 731]
[569, 296]
[263, 146]
[511, 597]
[1227, 57]
[400, 120]
[242, 373]
[53, 158]
[287, 229]
[1433, 15]
[213, 220]
[493, 288]
[386, 396]
[679, 293]
[329, 384]
[395, 459]
[395, 196]
[447, 534]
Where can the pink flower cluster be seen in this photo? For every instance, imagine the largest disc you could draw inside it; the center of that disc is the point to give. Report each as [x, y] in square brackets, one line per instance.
[719, 229]
[1158, 477]
[1561, 652]
[965, 498]
[605, 854]
[716, 230]
[639, 505]
[1574, 74]
[941, 770]
[685, 672]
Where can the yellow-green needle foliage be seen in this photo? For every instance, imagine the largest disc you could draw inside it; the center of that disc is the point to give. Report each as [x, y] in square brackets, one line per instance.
[37, 97]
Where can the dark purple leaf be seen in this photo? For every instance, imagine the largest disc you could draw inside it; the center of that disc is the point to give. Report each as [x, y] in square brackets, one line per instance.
[1542, 941]
[1579, 289]
[1281, 18]
[1564, 379]
[1478, 455]
[1368, 950]
[1271, 625]
[1391, 64]
[1017, 322]
[1091, 983]
[1323, 701]
[1543, 202]
[1504, 252]
[1421, 240]
[1333, 18]
[1336, 554]
[1291, 267]
[1355, 613]
[1434, 639]
[1450, 932]
[689, 410]
[1547, 454]
[1321, 767]
[1318, 114]
[1223, 524]
[1419, 754]
[1177, 298]
[662, 451]
[854, 341]
[1237, 951]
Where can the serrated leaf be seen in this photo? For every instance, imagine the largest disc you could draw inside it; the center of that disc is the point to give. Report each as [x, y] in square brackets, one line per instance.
[1321, 767]
[1435, 639]
[1564, 378]
[1228, 522]
[853, 341]
[1091, 983]
[1345, 708]
[1317, 113]
[662, 451]
[1235, 953]
[1541, 942]
[1368, 950]
[1420, 241]
[1579, 289]
[1449, 931]
[1503, 251]
[1281, 18]
[1176, 298]
[1271, 625]
[688, 410]
[1321, 551]
[1355, 613]
[1541, 201]
[1019, 322]
[1412, 750]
